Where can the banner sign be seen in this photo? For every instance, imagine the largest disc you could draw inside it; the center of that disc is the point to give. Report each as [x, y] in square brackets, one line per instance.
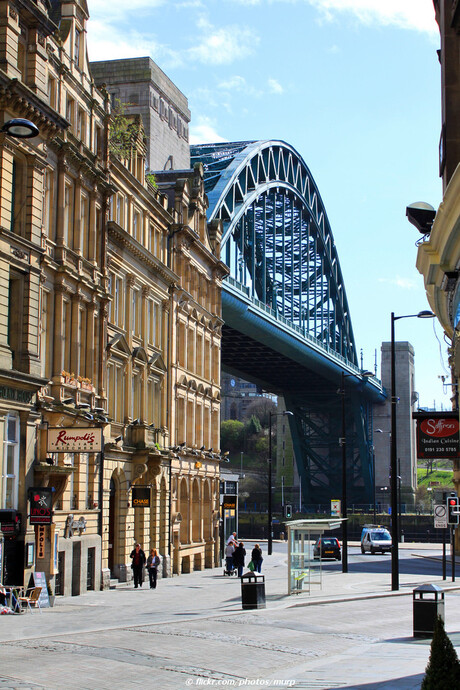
[41, 504]
[74, 440]
[437, 435]
[141, 497]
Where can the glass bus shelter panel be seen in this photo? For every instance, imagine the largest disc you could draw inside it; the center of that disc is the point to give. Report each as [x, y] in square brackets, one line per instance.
[304, 571]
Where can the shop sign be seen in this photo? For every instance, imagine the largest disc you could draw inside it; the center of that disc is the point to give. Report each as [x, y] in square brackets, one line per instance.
[41, 505]
[10, 521]
[437, 435]
[141, 497]
[40, 542]
[229, 503]
[74, 440]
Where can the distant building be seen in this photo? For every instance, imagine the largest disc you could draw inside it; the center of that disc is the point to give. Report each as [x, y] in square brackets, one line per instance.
[405, 425]
[146, 90]
[237, 395]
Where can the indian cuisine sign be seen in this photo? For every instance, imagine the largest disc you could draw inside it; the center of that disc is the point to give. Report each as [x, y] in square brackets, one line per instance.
[437, 435]
[74, 440]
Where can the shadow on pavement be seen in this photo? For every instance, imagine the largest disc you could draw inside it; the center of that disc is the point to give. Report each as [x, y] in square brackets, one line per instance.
[404, 683]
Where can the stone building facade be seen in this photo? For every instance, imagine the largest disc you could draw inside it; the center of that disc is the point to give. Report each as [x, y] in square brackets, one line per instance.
[145, 89]
[110, 329]
[438, 257]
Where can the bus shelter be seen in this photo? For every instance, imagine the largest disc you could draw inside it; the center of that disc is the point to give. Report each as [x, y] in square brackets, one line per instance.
[304, 570]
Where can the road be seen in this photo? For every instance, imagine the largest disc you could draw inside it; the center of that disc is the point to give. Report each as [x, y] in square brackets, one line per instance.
[191, 631]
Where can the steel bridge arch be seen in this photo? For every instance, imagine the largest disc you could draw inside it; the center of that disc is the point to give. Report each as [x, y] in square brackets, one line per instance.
[277, 240]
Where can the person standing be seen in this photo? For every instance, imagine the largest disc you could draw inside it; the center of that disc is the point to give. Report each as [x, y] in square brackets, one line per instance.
[153, 562]
[257, 558]
[229, 551]
[238, 558]
[137, 565]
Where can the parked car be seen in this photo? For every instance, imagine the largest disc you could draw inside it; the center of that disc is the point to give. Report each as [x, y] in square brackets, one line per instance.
[375, 538]
[327, 547]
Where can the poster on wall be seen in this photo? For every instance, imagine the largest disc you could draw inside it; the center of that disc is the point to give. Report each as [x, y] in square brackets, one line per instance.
[437, 435]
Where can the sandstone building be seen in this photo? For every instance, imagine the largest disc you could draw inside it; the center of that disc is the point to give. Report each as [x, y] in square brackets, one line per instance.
[110, 329]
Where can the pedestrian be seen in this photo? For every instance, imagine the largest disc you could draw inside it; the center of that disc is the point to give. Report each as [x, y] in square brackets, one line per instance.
[257, 558]
[137, 565]
[229, 551]
[233, 539]
[153, 562]
[238, 558]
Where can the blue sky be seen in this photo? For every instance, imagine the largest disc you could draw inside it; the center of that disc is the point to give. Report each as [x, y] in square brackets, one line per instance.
[354, 86]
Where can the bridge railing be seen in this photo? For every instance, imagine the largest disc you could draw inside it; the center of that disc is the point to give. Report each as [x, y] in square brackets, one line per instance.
[301, 331]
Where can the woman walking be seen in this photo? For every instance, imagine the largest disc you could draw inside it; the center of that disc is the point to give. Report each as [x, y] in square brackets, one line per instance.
[256, 558]
[153, 562]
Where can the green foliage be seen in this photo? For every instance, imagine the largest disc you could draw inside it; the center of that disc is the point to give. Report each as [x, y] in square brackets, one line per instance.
[443, 670]
[252, 426]
[232, 435]
[151, 179]
[121, 131]
[442, 478]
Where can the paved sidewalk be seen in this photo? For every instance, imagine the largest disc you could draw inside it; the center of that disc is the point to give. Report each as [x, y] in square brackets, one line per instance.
[191, 631]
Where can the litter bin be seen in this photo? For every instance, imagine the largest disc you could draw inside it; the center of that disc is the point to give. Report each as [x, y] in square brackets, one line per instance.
[428, 604]
[253, 591]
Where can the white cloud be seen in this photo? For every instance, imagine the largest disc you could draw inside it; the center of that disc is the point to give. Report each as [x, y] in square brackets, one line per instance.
[404, 283]
[235, 83]
[107, 43]
[219, 46]
[275, 87]
[406, 14]
[203, 132]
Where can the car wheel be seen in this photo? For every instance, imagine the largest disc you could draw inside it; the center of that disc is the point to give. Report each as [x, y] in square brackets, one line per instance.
[339, 557]
[362, 549]
[372, 550]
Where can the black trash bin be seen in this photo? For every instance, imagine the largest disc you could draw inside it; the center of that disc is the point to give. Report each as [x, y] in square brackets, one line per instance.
[428, 604]
[253, 591]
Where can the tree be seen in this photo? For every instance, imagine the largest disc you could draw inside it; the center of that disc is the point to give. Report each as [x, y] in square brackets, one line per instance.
[232, 435]
[122, 131]
[261, 408]
[443, 670]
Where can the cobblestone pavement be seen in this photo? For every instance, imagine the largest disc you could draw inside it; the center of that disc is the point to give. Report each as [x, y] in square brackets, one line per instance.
[192, 633]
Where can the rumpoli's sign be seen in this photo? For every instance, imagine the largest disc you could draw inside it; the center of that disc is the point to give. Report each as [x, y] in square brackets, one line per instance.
[74, 440]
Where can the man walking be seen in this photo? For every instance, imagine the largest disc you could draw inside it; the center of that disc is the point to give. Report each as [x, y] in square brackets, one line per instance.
[137, 565]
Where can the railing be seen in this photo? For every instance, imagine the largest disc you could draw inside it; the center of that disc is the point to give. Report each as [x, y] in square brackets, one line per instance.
[298, 330]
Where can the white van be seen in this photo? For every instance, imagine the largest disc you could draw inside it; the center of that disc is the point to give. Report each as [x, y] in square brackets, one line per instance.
[375, 538]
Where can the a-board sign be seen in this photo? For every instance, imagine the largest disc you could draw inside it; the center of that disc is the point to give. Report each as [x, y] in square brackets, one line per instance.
[39, 580]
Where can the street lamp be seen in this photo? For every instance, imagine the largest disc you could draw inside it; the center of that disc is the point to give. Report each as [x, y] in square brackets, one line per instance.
[343, 443]
[270, 518]
[393, 455]
[20, 128]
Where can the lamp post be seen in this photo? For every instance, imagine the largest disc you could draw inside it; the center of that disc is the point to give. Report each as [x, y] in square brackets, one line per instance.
[270, 517]
[20, 128]
[393, 453]
[343, 443]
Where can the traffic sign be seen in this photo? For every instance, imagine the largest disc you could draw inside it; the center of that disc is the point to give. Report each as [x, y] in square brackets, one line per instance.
[440, 516]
